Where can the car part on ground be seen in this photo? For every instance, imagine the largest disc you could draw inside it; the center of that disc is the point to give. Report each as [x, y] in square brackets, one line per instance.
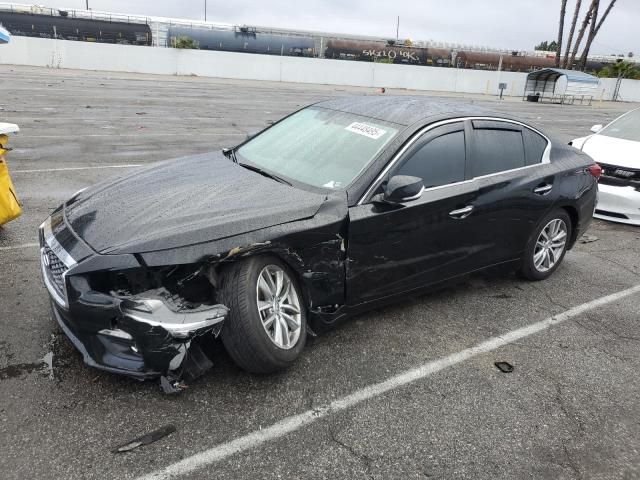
[145, 439]
[504, 367]
[142, 270]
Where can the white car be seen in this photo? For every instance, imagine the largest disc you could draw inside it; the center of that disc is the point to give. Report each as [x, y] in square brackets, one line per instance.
[616, 148]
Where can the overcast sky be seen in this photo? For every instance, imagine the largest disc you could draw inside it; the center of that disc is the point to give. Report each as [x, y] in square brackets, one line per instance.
[511, 24]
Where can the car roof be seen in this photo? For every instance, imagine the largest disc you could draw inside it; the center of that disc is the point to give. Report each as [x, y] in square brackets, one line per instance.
[405, 109]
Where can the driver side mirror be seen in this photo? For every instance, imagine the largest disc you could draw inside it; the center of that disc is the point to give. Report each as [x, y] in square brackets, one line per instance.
[596, 128]
[403, 188]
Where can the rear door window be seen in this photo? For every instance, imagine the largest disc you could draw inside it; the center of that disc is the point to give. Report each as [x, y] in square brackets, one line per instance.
[497, 147]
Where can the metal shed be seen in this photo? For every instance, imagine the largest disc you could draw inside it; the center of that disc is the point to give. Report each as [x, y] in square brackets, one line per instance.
[557, 85]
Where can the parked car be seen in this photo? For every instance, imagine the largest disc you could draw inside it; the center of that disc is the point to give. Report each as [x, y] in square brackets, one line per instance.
[616, 148]
[342, 206]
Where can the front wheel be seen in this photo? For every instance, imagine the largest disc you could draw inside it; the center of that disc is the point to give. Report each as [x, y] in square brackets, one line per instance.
[266, 328]
[547, 246]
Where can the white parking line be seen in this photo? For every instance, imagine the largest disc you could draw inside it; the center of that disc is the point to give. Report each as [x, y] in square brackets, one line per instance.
[18, 247]
[67, 169]
[291, 424]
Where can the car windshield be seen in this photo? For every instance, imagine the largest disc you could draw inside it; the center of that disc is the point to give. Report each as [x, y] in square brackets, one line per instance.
[626, 127]
[319, 147]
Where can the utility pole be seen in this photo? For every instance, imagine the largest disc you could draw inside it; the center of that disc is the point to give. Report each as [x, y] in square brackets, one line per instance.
[205, 10]
[397, 28]
[87, 1]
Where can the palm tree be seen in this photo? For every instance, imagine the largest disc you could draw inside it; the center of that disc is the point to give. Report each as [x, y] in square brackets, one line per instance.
[583, 28]
[563, 11]
[593, 32]
[576, 12]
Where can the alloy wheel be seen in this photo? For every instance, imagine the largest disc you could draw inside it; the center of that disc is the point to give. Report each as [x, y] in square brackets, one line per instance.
[278, 306]
[550, 245]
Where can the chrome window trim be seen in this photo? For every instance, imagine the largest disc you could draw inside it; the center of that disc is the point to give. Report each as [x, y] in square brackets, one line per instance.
[546, 155]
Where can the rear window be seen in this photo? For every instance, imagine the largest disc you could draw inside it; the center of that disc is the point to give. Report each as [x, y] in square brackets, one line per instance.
[535, 145]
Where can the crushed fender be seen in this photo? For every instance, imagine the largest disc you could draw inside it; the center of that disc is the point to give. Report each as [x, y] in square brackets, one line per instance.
[145, 439]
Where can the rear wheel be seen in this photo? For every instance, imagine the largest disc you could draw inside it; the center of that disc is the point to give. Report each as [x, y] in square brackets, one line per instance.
[266, 329]
[547, 246]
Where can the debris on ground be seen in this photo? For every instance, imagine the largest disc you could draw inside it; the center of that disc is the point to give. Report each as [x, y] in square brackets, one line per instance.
[48, 364]
[146, 439]
[502, 296]
[588, 238]
[141, 113]
[171, 386]
[504, 367]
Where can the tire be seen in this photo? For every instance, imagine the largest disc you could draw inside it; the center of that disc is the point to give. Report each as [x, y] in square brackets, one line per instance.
[531, 268]
[253, 346]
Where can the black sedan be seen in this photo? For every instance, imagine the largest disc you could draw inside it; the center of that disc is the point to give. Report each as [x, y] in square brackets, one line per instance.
[339, 207]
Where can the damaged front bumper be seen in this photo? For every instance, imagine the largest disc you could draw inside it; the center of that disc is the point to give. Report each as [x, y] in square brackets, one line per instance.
[144, 336]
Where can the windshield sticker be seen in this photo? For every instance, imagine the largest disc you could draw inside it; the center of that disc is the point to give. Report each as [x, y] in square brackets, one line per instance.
[366, 130]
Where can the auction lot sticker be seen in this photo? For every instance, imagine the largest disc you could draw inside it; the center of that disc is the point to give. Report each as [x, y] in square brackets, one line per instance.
[366, 130]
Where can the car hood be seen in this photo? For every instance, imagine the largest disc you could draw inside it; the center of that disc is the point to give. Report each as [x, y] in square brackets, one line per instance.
[184, 202]
[610, 150]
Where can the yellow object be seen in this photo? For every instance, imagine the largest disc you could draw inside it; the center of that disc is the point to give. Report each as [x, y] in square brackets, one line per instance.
[9, 205]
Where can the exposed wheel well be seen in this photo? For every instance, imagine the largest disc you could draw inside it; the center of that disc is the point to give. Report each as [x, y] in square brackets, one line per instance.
[221, 267]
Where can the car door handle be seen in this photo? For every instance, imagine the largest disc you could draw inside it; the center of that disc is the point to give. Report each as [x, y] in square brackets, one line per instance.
[461, 212]
[543, 189]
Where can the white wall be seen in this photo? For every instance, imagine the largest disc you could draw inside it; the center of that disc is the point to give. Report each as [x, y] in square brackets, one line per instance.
[168, 61]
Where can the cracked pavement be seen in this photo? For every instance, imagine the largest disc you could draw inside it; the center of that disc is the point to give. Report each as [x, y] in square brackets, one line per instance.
[569, 410]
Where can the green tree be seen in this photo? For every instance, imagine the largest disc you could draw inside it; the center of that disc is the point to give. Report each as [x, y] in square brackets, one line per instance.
[547, 46]
[621, 69]
[184, 42]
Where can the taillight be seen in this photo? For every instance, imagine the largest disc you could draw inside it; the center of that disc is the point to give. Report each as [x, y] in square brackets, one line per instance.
[595, 170]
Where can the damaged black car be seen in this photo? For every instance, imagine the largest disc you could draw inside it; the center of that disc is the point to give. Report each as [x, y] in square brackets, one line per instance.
[340, 207]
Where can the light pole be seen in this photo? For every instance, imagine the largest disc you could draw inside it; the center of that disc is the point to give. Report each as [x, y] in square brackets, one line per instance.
[205, 10]
[87, 2]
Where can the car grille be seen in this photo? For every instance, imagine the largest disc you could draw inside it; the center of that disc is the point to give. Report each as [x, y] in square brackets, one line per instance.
[54, 269]
[619, 176]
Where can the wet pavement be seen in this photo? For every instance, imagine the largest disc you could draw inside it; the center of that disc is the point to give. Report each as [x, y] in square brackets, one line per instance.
[568, 410]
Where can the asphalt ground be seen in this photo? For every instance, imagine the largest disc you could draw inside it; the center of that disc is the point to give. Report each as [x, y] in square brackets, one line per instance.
[569, 410]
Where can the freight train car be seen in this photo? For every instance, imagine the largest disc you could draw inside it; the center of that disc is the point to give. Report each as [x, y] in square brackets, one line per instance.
[245, 41]
[69, 28]
[510, 63]
[385, 52]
